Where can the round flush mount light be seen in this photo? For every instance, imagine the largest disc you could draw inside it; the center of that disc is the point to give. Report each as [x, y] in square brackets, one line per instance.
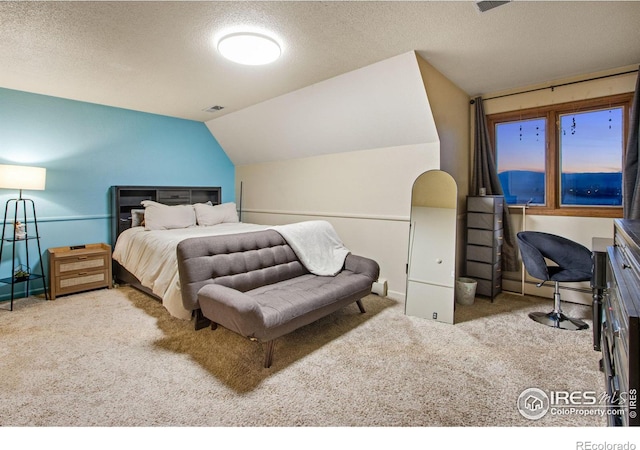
[251, 49]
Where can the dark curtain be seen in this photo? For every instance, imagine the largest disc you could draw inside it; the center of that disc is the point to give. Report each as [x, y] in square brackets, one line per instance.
[631, 174]
[485, 176]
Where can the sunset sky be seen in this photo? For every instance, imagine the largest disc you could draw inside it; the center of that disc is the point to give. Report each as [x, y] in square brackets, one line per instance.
[593, 145]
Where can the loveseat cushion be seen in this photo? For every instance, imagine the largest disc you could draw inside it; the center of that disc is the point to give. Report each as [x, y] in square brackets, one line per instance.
[289, 299]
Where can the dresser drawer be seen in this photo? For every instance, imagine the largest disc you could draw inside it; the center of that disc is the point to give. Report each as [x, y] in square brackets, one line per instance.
[479, 253]
[489, 288]
[484, 221]
[488, 238]
[484, 271]
[485, 204]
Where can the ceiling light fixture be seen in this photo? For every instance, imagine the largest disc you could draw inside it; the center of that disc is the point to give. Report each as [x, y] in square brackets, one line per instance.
[251, 49]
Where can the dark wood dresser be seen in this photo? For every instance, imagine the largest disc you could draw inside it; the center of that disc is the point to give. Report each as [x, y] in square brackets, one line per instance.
[621, 325]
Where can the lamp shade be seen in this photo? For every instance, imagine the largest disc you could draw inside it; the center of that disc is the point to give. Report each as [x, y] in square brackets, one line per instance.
[22, 177]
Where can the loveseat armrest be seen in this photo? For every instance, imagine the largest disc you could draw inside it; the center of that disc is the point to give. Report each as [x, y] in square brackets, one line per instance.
[362, 265]
[232, 309]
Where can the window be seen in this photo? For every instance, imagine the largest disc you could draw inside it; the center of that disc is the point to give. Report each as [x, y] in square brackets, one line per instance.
[563, 159]
[520, 148]
[591, 158]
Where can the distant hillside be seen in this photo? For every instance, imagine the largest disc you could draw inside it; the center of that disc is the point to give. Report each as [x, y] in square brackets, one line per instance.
[522, 186]
[593, 188]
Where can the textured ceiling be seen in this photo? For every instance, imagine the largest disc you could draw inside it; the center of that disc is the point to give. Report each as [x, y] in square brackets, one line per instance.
[160, 57]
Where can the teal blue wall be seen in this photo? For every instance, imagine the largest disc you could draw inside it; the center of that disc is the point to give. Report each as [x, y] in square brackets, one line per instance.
[86, 148]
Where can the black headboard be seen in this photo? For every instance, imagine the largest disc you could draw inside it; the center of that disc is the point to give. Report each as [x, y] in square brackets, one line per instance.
[126, 198]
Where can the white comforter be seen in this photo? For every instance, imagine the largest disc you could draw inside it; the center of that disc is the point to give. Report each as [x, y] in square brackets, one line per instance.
[151, 257]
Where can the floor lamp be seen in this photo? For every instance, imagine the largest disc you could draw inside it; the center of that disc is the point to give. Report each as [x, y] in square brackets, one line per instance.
[27, 178]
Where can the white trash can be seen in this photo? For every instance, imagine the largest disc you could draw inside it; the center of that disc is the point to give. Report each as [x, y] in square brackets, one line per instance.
[465, 291]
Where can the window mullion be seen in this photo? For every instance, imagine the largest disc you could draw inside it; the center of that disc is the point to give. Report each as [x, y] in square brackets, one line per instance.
[552, 160]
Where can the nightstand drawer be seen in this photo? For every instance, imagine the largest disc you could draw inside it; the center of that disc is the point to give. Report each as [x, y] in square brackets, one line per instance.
[82, 281]
[81, 263]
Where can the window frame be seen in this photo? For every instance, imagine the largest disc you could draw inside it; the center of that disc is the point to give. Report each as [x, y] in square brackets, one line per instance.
[552, 115]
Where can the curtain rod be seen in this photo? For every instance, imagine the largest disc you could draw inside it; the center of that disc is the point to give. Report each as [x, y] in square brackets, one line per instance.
[553, 86]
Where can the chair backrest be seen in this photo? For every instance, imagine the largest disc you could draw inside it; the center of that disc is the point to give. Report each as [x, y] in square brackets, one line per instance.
[532, 258]
[535, 246]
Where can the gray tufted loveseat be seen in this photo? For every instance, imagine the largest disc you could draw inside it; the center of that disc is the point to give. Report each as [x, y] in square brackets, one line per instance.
[254, 284]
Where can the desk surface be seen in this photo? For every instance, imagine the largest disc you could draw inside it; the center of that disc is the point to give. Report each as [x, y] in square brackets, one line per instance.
[600, 244]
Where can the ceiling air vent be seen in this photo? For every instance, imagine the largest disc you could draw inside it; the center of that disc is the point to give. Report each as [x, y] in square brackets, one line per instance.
[213, 109]
[484, 6]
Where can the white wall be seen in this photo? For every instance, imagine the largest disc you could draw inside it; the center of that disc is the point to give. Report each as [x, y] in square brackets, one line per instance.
[580, 229]
[450, 107]
[348, 150]
[366, 195]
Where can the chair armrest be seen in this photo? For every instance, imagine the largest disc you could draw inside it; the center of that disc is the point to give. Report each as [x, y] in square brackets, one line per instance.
[362, 265]
[232, 309]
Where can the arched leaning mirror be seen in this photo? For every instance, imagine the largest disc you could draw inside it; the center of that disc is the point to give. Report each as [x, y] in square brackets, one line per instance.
[432, 247]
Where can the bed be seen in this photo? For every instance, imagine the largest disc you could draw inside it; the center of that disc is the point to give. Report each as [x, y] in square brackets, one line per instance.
[144, 250]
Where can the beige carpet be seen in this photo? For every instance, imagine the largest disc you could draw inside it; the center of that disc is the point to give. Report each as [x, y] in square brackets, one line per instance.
[116, 358]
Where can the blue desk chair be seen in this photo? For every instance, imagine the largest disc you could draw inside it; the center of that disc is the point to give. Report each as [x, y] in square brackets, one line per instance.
[574, 263]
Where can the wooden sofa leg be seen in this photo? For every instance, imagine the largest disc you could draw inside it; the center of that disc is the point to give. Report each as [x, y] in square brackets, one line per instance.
[359, 303]
[268, 353]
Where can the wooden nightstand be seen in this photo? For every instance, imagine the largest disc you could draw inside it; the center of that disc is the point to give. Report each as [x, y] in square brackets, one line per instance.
[79, 268]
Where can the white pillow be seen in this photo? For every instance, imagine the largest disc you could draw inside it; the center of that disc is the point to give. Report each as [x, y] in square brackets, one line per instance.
[164, 217]
[213, 215]
[137, 217]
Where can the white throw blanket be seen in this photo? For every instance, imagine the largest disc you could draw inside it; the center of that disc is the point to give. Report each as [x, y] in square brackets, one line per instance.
[316, 244]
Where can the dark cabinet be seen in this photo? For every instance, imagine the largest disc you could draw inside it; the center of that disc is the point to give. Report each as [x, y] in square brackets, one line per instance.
[484, 243]
[620, 337]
